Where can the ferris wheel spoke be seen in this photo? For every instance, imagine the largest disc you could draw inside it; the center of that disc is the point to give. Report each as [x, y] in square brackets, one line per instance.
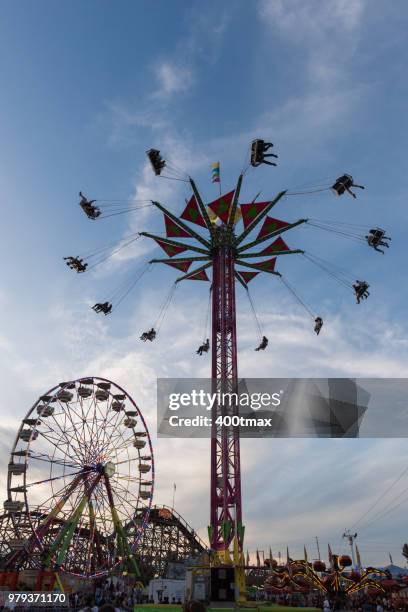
[67, 414]
[112, 423]
[63, 435]
[49, 459]
[109, 447]
[38, 482]
[60, 493]
[75, 430]
[58, 445]
[125, 491]
[129, 478]
[85, 421]
[94, 428]
[90, 437]
[125, 441]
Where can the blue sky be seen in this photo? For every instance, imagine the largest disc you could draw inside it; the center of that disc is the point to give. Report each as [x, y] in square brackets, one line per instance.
[87, 88]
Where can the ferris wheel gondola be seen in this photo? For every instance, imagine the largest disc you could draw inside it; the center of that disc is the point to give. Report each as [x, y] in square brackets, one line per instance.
[83, 461]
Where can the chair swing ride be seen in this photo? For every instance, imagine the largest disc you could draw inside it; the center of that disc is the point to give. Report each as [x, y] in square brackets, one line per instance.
[220, 219]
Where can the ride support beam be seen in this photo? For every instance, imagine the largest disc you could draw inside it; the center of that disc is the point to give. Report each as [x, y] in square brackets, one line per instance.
[226, 508]
[233, 210]
[290, 226]
[259, 218]
[180, 259]
[188, 247]
[187, 276]
[257, 267]
[274, 254]
[181, 223]
[202, 207]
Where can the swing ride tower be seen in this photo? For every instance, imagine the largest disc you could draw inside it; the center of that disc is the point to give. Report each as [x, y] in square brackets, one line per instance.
[220, 247]
[222, 254]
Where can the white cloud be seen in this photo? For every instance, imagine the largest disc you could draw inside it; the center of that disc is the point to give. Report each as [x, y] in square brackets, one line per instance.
[314, 18]
[278, 474]
[172, 79]
[328, 34]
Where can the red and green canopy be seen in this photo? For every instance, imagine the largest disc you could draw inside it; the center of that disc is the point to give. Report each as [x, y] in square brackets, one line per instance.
[222, 206]
[170, 249]
[278, 245]
[192, 213]
[173, 230]
[251, 211]
[247, 276]
[270, 226]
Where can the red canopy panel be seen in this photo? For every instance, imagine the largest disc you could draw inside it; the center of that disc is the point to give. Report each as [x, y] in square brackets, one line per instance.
[170, 249]
[278, 245]
[201, 275]
[192, 213]
[251, 211]
[271, 225]
[222, 206]
[179, 265]
[173, 230]
[247, 276]
[268, 265]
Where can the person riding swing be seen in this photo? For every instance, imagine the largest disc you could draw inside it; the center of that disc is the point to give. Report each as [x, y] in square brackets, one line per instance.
[204, 348]
[343, 184]
[318, 325]
[148, 335]
[361, 290]
[91, 211]
[263, 344]
[104, 307]
[376, 238]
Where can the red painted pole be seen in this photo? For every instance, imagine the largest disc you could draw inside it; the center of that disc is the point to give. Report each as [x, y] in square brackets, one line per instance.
[226, 509]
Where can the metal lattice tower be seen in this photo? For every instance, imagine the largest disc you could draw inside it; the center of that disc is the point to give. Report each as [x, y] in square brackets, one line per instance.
[226, 508]
[221, 251]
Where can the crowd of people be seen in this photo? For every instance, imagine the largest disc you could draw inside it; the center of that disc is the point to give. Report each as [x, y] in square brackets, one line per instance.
[108, 596]
[361, 602]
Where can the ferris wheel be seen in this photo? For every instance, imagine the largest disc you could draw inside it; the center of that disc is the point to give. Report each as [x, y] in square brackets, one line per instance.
[82, 471]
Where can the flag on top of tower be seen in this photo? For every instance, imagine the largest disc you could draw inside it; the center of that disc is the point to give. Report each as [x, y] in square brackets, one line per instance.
[270, 226]
[192, 213]
[215, 171]
[251, 211]
[173, 230]
[222, 206]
